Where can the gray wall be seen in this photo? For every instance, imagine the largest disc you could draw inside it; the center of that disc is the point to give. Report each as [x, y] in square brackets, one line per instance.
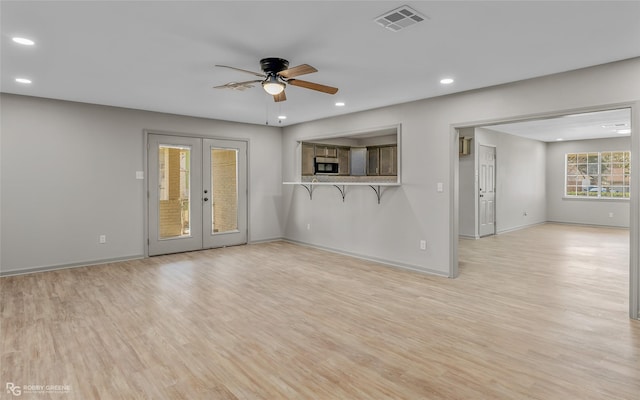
[582, 211]
[68, 175]
[531, 178]
[520, 179]
[391, 231]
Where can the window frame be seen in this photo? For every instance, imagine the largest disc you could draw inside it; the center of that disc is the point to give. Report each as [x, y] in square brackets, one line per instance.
[583, 166]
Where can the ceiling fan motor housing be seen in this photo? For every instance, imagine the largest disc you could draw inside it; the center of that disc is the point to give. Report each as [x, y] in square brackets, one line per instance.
[273, 65]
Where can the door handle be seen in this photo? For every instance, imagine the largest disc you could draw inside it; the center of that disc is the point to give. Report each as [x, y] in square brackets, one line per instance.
[206, 199]
[481, 195]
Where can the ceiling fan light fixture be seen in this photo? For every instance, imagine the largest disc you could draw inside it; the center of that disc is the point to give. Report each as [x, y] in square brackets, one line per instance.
[272, 85]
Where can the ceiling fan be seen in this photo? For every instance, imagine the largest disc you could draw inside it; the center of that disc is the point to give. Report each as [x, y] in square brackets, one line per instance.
[275, 77]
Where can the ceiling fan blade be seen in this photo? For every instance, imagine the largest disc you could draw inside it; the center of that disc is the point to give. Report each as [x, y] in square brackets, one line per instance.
[279, 97]
[238, 85]
[243, 70]
[313, 86]
[297, 71]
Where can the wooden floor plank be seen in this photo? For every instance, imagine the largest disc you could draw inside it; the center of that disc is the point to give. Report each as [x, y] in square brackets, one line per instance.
[540, 313]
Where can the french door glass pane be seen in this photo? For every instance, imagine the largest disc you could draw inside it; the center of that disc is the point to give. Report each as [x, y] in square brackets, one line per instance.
[224, 190]
[174, 166]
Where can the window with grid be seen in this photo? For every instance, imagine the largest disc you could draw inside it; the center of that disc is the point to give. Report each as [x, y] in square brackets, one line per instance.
[598, 174]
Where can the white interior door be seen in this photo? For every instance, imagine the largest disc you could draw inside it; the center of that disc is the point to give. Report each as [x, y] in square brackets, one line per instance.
[197, 193]
[487, 190]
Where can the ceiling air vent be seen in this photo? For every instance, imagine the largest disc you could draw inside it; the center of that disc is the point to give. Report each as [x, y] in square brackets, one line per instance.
[400, 18]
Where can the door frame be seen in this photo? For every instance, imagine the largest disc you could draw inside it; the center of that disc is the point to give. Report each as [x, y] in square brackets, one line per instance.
[634, 212]
[145, 183]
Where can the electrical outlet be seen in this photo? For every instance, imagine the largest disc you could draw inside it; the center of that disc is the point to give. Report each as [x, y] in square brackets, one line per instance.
[610, 215]
[423, 245]
[102, 239]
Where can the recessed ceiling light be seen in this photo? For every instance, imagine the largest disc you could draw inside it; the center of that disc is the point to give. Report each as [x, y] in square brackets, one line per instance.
[623, 131]
[23, 80]
[24, 41]
[282, 117]
[340, 104]
[559, 139]
[446, 81]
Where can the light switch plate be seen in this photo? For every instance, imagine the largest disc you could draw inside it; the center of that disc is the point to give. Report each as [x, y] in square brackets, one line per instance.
[440, 187]
[139, 174]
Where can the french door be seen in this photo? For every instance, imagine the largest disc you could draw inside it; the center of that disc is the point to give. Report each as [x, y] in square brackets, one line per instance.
[197, 193]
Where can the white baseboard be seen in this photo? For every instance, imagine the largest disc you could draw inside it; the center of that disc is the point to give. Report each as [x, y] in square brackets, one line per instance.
[34, 270]
[382, 261]
[589, 225]
[517, 228]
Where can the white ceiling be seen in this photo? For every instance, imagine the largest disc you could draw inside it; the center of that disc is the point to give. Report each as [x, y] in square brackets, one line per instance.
[160, 56]
[592, 125]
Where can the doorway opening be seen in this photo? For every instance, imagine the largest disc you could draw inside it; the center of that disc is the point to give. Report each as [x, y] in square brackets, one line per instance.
[531, 193]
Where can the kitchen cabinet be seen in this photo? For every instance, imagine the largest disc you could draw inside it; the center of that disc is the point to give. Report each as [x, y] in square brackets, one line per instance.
[308, 152]
[377, 160]
[343, 161]
[326, 151]
[373, 160]
[388, 160]
[382, 160]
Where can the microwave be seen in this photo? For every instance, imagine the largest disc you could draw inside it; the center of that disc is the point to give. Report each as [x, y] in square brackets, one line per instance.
[326, 166]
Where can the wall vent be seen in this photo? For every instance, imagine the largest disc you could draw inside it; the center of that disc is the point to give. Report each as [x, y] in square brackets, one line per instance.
[400, 18]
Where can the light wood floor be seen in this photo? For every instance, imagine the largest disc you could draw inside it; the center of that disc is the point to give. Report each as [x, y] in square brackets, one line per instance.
[540, 313]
